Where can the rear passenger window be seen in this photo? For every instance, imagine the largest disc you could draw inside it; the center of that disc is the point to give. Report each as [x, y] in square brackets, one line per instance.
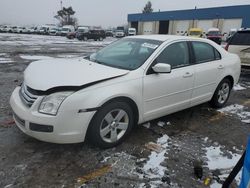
[217, 55]
[241, 38]
[205, 52]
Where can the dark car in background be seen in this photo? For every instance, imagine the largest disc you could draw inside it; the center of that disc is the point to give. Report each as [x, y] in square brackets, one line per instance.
[96, 34]
[71, 35]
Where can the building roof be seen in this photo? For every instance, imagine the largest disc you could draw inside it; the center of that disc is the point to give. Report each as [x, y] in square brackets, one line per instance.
[229, 12]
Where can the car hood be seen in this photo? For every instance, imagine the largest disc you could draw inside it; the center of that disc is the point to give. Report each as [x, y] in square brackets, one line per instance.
[46, 74]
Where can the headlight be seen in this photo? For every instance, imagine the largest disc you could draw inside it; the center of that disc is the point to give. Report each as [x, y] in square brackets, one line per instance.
[51, 103]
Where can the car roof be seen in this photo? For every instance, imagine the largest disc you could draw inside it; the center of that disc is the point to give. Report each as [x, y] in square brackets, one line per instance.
[213, 29]
[166, 37]
[195, 29]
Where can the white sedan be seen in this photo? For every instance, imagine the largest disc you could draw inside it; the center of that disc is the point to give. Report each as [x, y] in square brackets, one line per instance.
[131, 81]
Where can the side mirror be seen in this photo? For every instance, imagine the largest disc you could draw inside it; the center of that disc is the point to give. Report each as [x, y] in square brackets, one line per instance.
[162, 68]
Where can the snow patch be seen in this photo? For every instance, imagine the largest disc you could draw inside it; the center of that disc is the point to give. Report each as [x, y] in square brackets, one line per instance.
[162, 123]
[217, 160]
[238, 110]
[35, 57]
[153, 167]
[5, 60]
[238, 87]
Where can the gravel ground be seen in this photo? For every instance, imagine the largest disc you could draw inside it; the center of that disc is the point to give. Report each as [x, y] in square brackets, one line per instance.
[158, 154]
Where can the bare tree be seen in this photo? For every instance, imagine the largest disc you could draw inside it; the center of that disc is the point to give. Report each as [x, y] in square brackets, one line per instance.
[148, 8]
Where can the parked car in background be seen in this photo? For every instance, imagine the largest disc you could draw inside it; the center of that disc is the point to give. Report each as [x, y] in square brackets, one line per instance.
[2, 27]
[44, 30]
[21, 30]
[53, 30]
[67, 29]
[215, 35]
[31, 30]
[231, 33]
[119, 33]
[59, 31]
[109, 33]
[14, 29]
[131, 31]
[8, 29]
[80, 32]
[195, 32]
[239, 44]
[71, 35]
[129, 82]
[96, 34]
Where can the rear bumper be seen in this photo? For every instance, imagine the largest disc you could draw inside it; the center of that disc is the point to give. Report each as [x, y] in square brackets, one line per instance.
[65, 127]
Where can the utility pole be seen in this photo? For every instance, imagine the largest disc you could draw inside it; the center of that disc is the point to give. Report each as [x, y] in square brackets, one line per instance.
[61, 5]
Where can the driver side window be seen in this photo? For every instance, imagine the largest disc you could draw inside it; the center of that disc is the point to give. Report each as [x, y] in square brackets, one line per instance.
[177, 55]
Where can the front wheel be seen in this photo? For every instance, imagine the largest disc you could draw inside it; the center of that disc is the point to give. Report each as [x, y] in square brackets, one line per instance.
[111, 124]
[85, 38]
[221, 93]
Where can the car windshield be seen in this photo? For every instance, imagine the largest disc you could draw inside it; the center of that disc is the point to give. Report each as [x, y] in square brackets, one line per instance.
[214, 33]
[128, 53]
[65, 29]
[82, 30]
[195, 33]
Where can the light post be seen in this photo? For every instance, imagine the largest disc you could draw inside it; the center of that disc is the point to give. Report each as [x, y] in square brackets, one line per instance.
[217, 16]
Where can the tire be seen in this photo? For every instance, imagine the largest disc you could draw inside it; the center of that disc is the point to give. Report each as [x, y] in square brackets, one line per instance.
[221, 93]
[111, 124]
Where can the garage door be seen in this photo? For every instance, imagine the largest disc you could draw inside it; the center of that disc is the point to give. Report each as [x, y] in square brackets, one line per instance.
[205, 24]
[148, 28]
[181, 27]
[231, 24]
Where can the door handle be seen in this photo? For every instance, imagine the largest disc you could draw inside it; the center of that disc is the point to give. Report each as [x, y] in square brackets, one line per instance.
[187, 74]
[220, 67]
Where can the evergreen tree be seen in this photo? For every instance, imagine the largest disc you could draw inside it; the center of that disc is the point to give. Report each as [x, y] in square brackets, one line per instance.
[65, 16]
[148, 8]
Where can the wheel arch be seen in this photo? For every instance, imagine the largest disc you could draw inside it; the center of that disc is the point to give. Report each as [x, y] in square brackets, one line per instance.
[129, 101]
[229, 77]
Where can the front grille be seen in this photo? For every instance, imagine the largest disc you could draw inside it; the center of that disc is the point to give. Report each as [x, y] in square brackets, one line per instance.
[19, 120]
[27, 97]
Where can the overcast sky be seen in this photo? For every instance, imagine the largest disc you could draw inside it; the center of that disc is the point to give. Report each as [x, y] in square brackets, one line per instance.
[93, 12]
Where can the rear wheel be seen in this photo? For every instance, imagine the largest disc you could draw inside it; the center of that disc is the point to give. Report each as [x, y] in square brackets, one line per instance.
[111, 125]
[221, 93]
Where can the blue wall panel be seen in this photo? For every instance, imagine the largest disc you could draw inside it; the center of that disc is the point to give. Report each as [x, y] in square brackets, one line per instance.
[240, 11]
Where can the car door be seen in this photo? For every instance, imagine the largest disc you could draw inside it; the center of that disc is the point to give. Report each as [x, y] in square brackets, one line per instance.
[164, 93]
[208, 66]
